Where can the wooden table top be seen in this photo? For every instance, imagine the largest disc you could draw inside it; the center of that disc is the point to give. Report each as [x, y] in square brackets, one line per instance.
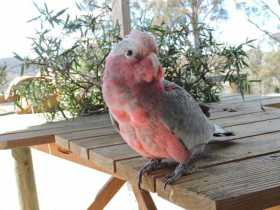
[243, 174]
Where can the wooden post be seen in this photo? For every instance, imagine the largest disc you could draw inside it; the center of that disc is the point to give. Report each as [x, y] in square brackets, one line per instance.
[25, 178]
[121, 15]
[144, 199]
[106, 193]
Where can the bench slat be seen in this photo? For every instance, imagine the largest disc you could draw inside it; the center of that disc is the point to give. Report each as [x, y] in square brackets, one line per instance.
[107, 156]
[247, 118]
[64, 139]
[53, 126]
[82, 147]
[217, 154]
[249, 184]
[252, 129]
[33, 137]
[87, 147]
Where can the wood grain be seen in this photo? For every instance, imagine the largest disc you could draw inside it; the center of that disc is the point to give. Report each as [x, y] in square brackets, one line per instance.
[83, 146]
[42, 135]
[252, 129]
[107, 156]
[106, 193]
[144, 199]
[55, 150]
[241, 173]
[248, 184]
[217, 154]
[247, 118]
[78, 123]
[65, 139]
[25, 179]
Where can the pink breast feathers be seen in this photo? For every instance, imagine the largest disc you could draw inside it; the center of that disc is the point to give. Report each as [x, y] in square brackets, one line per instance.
[149, 136]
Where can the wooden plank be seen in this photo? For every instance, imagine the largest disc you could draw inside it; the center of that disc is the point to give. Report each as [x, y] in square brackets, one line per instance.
[250, 100]
[129, 168]
[81, 141]
[265, 100]
[19, 141]
[274, 208]
[107, 157]
[217, 154]
[25, 179]
[252, 129]
[121, 15]
[106, 193]
[276, 105]
[249, 184]
[239, 111]
[226, 110]
[248, 118]
[83, 146]
[144, 199]
[55, 150]
[64, 139]
[29, 138]
[217, 109]
[92, 132]
[81, 122]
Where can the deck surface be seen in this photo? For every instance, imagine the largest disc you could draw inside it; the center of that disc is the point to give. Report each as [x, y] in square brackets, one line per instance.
[243, 174]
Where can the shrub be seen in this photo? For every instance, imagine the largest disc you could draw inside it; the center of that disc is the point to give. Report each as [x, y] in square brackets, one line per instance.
[76, 70]
[3, 79]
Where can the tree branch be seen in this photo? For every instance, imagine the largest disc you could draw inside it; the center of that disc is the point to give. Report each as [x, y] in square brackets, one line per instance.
[210, 11]
[270, 9]
[264, 31]
[182, 4]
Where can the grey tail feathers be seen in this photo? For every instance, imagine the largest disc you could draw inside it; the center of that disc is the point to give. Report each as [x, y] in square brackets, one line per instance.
[219, 131]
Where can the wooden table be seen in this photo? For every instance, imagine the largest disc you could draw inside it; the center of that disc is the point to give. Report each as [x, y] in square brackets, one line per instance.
[241, 175]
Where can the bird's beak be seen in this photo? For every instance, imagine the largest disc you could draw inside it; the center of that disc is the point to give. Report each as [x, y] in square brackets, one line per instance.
[155, 63]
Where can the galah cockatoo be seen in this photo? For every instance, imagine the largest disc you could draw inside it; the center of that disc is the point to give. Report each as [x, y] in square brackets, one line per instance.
[155, 117]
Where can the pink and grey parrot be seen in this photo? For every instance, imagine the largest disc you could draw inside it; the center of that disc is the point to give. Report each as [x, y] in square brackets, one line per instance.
[155, 117]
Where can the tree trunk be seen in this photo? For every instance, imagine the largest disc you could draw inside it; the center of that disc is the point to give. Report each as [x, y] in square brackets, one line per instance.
[195, 25]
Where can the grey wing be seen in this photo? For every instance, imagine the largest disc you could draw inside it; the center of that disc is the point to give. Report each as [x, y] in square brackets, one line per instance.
[182, 114]
[114, 122]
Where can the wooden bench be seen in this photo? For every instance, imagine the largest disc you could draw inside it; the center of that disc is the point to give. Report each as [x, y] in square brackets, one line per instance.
[241, 175]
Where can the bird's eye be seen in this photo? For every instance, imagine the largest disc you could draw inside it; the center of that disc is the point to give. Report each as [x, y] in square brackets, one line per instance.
[129, 53]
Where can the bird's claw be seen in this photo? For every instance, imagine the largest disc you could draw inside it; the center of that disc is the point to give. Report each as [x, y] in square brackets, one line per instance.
[149, 166]
[169, 179]
[194, 169]
[180, 170]
[139, 178]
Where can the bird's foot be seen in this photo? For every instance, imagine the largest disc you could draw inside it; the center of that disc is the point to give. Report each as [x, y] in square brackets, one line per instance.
[180, 170]
[151, 165]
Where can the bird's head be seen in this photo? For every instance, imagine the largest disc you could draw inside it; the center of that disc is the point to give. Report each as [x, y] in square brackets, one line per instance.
[134, 60]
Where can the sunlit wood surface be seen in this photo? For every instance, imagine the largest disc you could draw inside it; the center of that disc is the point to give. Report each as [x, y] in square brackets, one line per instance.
[243, 174]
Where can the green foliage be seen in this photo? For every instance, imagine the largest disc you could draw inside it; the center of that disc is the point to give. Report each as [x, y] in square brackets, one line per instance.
[265, 66]
[36, 92]
[73, 69]
[3, 75]
[194, 68]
